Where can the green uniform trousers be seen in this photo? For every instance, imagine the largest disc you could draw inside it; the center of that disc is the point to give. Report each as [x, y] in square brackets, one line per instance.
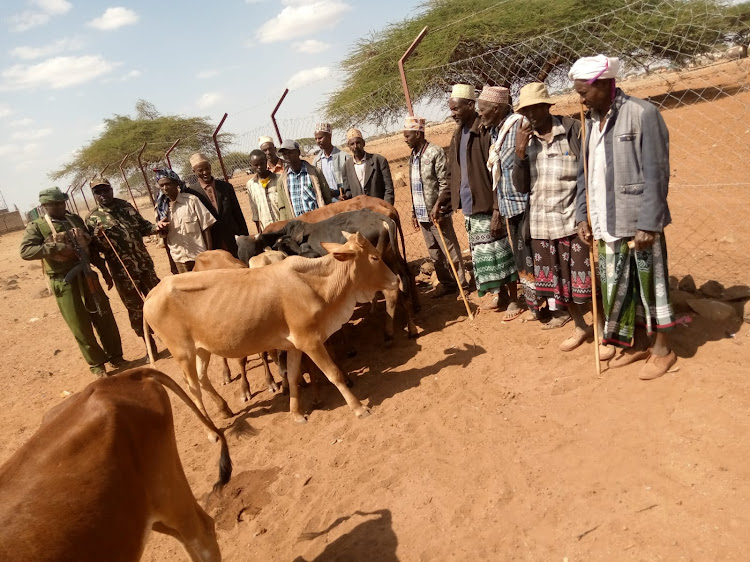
[75, 300]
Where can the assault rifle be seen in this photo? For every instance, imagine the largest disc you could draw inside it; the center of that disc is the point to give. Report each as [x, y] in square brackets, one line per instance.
[83, 267]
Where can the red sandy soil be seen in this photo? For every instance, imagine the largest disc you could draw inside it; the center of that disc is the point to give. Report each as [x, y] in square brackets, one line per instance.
[485, 443]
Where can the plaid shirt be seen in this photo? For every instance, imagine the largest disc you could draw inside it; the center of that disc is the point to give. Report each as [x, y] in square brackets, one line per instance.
[417, 191]
[301, 191]
[553, 171]
[510, 202]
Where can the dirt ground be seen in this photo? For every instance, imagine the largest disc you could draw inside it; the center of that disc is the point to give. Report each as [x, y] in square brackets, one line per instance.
[485, 443]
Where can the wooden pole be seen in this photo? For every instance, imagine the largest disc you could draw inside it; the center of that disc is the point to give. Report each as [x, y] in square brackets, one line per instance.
[455, 273]
[594, 308]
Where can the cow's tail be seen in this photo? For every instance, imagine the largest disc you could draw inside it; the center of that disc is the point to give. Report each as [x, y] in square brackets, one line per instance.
[147, 339]
[225, 462]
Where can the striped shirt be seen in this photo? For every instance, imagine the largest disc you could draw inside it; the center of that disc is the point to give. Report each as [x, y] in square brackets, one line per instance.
[417, 191]
[510, 202]
[301, 191]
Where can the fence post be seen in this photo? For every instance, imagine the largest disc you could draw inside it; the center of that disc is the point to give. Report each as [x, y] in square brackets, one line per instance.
[72, 197]
[145, 177]
[127, 183]
[218, 150]
[401, 62]
[273, 114]
[83, 194]
[168, 152]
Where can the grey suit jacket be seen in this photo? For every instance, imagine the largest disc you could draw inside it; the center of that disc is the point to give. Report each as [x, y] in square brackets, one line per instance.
[636, 143]
[377, 179]
[339, 162]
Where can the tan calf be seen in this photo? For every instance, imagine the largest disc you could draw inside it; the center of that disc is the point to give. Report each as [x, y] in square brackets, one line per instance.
[293, 305]
[102, 472]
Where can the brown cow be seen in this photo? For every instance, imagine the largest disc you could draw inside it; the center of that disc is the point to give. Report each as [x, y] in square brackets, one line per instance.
[102, 472]
[293, 305]
[221, 259]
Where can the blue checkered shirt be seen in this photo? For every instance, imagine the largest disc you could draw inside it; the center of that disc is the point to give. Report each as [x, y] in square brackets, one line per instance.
[510, 202]
[301, 191]
[417, 192]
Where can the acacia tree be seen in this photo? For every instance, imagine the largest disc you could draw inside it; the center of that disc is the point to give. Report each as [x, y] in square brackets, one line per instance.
[124, 134]
[520, 41]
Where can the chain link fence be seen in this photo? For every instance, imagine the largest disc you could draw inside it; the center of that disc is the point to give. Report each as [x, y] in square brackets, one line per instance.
[678, 54]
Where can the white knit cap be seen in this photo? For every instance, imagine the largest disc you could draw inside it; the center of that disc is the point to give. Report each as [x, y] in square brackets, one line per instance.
[599, 67]
[264, 140]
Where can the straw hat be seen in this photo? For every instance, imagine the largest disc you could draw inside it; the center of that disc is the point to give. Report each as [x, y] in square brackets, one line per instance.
[532, 94]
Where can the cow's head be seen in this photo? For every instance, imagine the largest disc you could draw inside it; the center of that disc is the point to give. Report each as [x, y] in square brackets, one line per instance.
[368, 271]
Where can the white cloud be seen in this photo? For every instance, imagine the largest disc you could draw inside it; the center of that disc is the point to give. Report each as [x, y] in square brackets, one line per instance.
[302, 17]
[65, 44]
[304, 77]
[57, 72]
[114, 18]
[209, 99]
[311, 46]
[31, 134]
[5, 111]
[204, 74]
[24, 122]
[132, 74]
[42, 13]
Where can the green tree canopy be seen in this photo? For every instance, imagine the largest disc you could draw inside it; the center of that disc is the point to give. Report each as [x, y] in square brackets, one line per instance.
[519, 41]
[124, 134]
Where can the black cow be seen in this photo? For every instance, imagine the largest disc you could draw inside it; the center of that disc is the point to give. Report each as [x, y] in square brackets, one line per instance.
[305, 239]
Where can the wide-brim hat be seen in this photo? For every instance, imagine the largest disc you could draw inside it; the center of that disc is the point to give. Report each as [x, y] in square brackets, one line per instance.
[533, 94]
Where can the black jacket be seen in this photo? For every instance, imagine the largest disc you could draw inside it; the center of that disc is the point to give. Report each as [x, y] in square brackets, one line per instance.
[230, 221]
[378, 182]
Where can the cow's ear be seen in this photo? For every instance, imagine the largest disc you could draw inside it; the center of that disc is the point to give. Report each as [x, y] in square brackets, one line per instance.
[339, 251]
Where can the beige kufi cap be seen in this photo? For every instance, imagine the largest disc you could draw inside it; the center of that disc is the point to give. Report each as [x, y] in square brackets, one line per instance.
[354, 134]
[197, 158]
[412, 123]
[264, 140]
[463, 91]
[323, 128]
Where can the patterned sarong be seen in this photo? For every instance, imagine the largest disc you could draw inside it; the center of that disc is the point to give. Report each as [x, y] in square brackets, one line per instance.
[493, 261]
[519, 234]
[563, 270]
[635, 289]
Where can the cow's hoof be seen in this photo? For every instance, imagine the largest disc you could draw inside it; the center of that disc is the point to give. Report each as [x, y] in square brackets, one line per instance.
[213, 438]
[299, 418]
[225, 382]
[273, 388]
[246, 397]
[226, 413]
[362, 412]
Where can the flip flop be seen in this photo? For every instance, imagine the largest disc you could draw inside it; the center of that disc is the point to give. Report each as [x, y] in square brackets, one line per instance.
[628, 356]
[556, 322]
[512, 314]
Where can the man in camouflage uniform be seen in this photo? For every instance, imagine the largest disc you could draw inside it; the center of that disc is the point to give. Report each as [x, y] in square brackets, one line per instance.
[116, 222]
[82, 303]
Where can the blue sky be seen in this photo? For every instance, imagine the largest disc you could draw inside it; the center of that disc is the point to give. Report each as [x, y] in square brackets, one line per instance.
[67, 64]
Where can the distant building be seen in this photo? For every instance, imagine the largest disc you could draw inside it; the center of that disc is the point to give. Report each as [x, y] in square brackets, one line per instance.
[10, 221]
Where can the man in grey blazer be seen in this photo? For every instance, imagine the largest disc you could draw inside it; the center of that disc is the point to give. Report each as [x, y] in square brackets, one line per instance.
[366, 173]
[331, 161]
[627, 164]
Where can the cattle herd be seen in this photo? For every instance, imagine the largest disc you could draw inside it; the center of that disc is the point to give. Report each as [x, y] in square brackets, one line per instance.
[108, 456]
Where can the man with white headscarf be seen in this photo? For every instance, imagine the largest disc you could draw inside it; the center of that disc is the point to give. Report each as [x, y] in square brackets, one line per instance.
[274, 163]
[627, 157]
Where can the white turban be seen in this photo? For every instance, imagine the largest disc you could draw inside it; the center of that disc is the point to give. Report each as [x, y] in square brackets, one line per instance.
[594, 68]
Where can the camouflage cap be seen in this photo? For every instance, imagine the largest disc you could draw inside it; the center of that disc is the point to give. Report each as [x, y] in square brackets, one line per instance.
[52, 195]
[97, 181]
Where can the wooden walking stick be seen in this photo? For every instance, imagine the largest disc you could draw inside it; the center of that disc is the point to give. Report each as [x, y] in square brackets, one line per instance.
[453, 269]
[594, 308]
[123, 265]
